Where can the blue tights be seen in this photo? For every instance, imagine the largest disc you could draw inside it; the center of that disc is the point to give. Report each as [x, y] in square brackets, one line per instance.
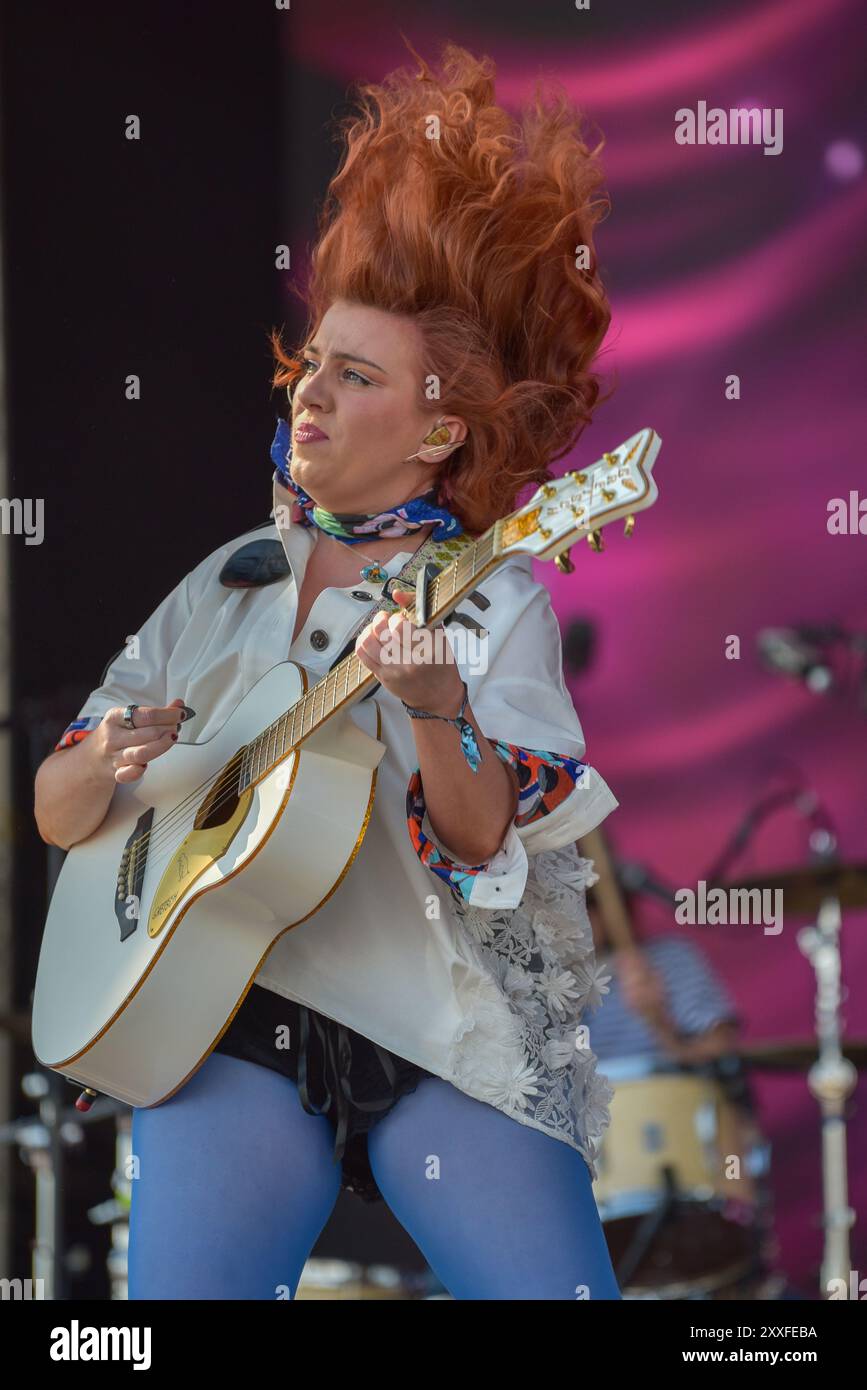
[236, 1181]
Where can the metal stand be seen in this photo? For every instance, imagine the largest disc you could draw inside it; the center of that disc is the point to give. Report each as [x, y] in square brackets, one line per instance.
[831, 1079]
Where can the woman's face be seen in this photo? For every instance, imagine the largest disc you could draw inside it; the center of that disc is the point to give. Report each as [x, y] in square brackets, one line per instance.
[364, 379]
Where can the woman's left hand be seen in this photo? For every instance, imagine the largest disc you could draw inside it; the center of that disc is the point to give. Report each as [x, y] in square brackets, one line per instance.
[420, 669]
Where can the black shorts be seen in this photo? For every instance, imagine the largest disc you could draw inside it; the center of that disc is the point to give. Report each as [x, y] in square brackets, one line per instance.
[339, 1073]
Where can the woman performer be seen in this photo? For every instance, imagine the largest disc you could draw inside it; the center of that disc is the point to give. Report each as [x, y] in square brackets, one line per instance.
[422, 1027]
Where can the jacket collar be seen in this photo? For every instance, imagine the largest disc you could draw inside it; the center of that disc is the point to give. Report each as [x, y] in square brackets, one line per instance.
[298, 541]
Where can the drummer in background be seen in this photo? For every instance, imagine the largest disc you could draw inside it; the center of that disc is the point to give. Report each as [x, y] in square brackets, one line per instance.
[666, 1006]
[664, 1002]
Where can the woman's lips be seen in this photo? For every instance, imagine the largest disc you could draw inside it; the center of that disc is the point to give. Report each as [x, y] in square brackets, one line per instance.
[308, 434]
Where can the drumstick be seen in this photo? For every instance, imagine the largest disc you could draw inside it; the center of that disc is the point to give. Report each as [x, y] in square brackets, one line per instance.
[609, 899]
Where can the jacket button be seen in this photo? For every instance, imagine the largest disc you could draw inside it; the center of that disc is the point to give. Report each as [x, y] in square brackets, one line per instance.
[361, 594]
[319, 639]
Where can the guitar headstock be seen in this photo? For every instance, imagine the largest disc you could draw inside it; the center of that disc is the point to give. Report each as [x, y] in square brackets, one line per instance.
[584, 500]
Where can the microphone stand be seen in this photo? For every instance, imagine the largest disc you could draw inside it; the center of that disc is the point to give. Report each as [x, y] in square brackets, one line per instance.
[831, 1079]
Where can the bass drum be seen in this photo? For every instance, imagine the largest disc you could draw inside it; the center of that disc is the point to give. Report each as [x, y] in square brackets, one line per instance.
[679, 1185]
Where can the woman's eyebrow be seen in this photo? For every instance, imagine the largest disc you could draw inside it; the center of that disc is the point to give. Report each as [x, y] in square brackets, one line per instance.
[347, 357]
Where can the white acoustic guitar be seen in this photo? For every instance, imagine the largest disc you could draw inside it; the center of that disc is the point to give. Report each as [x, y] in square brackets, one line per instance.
[161, 918]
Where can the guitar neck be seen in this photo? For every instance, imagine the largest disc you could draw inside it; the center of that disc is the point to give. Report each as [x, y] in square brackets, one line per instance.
[350, 679]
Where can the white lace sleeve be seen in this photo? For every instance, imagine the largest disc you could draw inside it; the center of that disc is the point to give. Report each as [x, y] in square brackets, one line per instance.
[522, 1045]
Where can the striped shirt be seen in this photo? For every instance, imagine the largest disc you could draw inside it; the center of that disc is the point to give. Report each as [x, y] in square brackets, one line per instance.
[696, 998]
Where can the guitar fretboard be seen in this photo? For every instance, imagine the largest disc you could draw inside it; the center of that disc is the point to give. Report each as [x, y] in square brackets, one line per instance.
[350, 677]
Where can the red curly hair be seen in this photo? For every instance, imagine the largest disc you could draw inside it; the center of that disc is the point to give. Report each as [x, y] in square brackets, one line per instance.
[447, 210]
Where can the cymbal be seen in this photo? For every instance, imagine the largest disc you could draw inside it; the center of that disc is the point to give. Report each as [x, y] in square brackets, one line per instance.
[804, 888]
[798, 1055]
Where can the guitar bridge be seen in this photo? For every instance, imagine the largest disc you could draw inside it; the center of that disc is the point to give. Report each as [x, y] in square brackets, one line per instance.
[130, 875]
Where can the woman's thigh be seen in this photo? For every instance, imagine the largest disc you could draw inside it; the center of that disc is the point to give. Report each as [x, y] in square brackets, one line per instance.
[498, 1209]
[235, 1182]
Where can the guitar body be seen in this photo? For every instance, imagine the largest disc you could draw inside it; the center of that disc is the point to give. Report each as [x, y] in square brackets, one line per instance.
[133, 991]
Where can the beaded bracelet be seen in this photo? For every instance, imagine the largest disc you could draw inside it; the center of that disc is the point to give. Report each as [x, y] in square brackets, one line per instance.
[470, 746]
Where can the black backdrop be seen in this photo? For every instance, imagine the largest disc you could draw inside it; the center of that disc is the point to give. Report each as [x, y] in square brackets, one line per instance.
[154, 257]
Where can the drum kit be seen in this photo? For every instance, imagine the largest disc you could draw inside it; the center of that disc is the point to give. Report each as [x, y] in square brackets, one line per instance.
[684, 1185]
[681, 1219]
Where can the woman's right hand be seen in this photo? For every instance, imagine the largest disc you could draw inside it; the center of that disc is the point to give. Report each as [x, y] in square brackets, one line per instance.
[128, 751]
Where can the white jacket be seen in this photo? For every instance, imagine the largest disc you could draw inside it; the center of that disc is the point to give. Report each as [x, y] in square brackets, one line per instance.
[486, 993]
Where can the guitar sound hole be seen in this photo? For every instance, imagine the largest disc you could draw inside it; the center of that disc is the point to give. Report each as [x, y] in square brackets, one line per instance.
[221, 802]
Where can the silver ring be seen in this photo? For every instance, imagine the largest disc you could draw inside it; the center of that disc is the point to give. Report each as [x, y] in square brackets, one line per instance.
[127, 716]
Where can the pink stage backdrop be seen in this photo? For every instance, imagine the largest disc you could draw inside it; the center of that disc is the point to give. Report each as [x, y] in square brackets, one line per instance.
[720, 260]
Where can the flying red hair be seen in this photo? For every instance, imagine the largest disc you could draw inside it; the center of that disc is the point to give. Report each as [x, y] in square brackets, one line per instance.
[448, 210]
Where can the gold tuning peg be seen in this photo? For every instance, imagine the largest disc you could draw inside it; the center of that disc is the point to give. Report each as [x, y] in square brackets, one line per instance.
[563, 563]
[629, 526]
[595, 541]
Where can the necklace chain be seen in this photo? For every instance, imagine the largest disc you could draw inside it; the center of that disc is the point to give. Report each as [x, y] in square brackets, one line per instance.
[375, 572]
